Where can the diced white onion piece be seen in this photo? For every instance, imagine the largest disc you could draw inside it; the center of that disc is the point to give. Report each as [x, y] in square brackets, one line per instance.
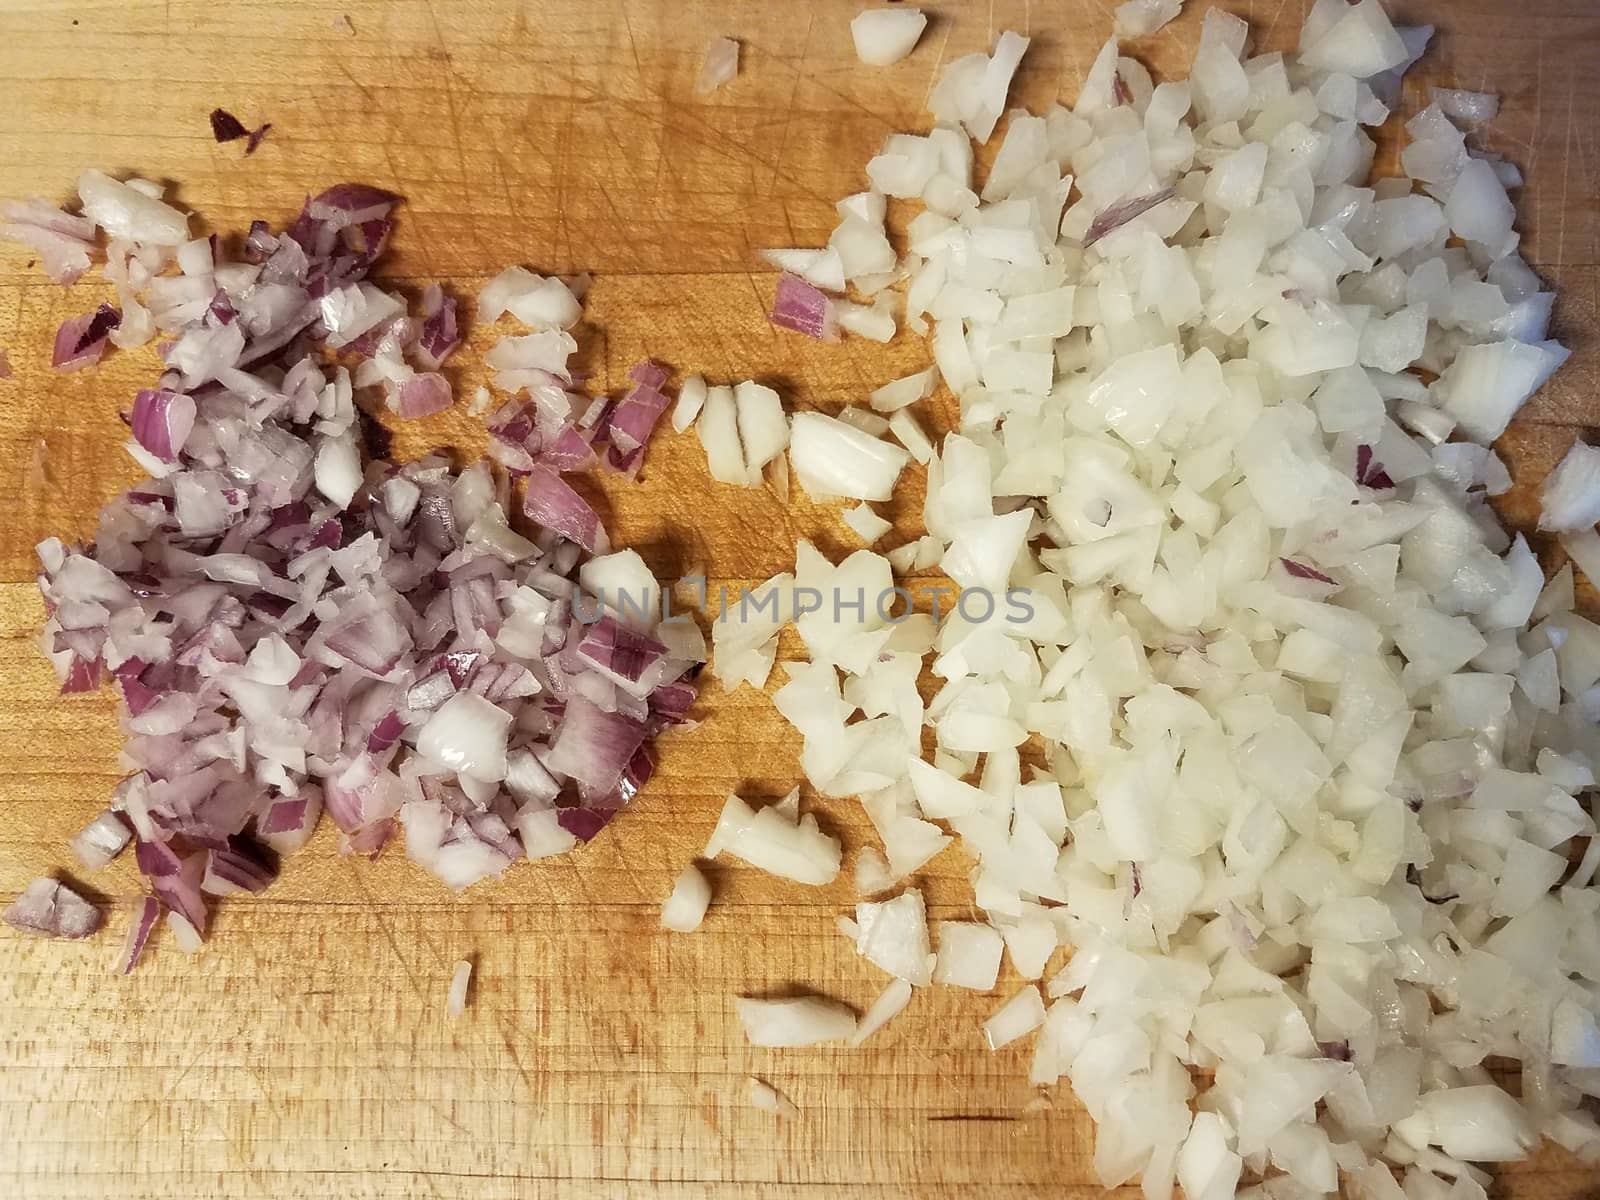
[820, 268]
[1481, 1123]
[968, 955]
[691, 398]
[889, 1004]
[831, 458]
[1141, 18]
[1571, 497]
[1017, 1017]
[800, 1021]
[129, 214]
[866, 524]
[468, 734]
[686, 906]
[763, 426]
[899, 393]
[718, 427]
[779, 845]
[721, 64]
[893, 934]
[456, 1002]
[910, 434]
[769, 1099]
[886, 35]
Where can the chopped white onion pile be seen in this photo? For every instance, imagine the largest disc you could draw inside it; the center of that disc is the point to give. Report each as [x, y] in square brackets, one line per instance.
[294, 629]
[769, 1099]
[460, 977]
[1255, 707]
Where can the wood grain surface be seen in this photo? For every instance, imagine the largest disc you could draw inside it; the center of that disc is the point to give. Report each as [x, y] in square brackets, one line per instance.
[306, 1051]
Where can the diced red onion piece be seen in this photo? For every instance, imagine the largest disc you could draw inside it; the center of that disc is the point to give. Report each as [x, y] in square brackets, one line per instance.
[439, 335]
[618, 650]
[62, 241]
[805, 309]
[180, 891]
[594, 747]
[50, 908]
[162, 421]
[1370, 473]
[551, 502]
[424, 394]
[229, 871]
[146, 912]
[82, 340]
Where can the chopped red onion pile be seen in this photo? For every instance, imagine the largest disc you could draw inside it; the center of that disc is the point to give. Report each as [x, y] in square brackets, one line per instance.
[294, 630]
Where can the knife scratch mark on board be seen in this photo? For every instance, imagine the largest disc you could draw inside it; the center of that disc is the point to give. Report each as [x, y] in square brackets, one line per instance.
[383, 924]
[794, 95]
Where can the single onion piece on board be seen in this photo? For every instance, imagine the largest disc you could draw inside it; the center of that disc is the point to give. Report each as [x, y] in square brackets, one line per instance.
[889, 1004]
[82, 340]
[423, 395]
[769, 1099]
[142, 922]
[1570, 500]
[686, 906]
[551, 501]
[721, 64]
[460, 977]
[101, 840]
[804, 308]
[50, 908]
[886, 35]
[799, 1021]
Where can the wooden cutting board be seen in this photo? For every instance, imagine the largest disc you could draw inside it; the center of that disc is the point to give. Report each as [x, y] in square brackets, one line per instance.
[306, 1051]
